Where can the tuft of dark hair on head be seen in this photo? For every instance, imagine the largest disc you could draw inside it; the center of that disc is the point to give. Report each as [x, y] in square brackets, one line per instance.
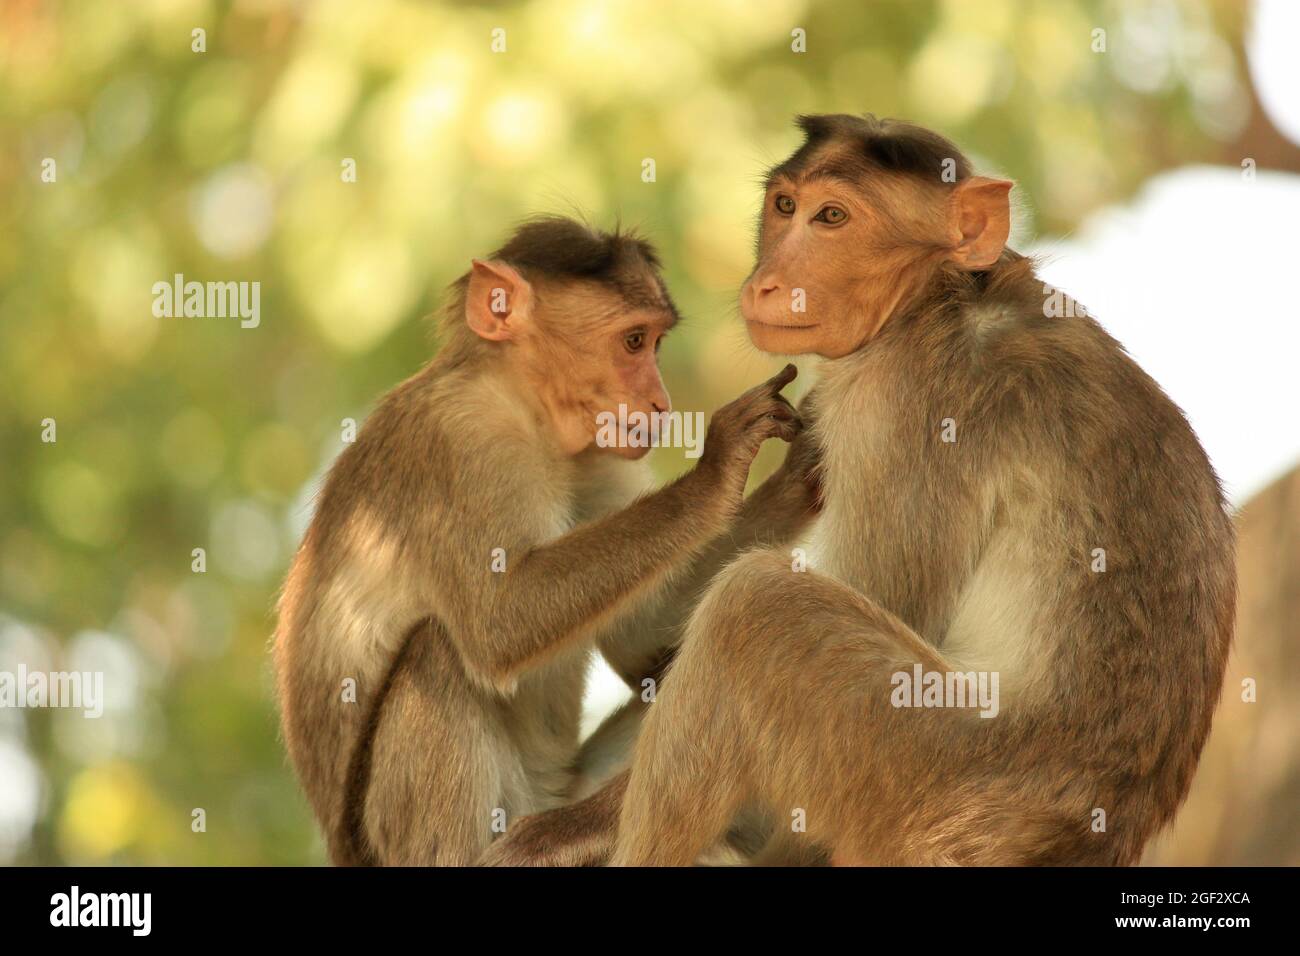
[560, 247]
[879, 145]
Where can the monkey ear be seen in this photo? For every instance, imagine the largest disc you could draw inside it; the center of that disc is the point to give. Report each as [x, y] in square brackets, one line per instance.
[498, 301]
[979, 221]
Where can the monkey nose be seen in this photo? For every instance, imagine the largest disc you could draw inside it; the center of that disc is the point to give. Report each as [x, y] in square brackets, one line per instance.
[758, 287]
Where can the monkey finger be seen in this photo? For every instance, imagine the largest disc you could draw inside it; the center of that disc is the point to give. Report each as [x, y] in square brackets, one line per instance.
[781, 400]
[772, 386]
[783, 411]
[763, 417]
[776, 423]
[787, 430]
[782, 378]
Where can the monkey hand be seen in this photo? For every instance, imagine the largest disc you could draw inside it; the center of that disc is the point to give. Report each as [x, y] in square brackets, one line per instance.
[798, 482]
[738, 430]
[799, 479]
[568, 836]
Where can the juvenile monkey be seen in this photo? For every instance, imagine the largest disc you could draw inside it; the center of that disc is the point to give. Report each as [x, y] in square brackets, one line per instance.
[1005, 494]
[469, 547]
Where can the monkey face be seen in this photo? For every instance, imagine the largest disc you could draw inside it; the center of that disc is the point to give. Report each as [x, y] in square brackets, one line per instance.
[843, 241]
[830, 267]
[631, 397]
[584, 349]
[599, 356]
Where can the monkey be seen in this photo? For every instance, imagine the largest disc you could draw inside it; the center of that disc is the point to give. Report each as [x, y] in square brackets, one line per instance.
[475, 541]
[1006, 495]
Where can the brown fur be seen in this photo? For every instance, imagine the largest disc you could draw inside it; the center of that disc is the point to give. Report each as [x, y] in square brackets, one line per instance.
[469, 682]
[960, 556]
[963, 556]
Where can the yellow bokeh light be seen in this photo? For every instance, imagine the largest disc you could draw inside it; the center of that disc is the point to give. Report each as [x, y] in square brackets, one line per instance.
[107, 809]
[517, 126]
[955, 75]
[112, 273]
[314, 96]
[80, 504]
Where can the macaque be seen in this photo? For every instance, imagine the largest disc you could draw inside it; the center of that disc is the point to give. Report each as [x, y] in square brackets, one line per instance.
[476, 541]
[1011, 635]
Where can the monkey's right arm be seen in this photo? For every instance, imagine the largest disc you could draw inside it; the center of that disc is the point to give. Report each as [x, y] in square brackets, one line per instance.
[555, 593]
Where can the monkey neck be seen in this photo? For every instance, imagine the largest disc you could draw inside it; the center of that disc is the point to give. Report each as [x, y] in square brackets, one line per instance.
[953, 295]
[926, 331]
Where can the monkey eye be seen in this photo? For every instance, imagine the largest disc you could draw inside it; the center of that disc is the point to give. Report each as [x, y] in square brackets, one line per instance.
[784, 205]
[633, 341]
[831, 215]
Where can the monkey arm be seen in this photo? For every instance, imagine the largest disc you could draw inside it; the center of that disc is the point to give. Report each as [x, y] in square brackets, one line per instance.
[554, 594]
[607, 752]
[776, 513]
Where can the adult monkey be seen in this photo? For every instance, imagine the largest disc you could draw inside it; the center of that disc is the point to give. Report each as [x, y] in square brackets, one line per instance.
[468, 549]
[1004, 493]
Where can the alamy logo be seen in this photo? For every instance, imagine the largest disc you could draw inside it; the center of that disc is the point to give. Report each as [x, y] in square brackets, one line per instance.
[103, 909]
[651, 430]
[74, 689]
[209, 300]
[946, 689]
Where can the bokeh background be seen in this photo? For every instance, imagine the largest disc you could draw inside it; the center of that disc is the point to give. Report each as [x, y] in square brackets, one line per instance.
[1159, 177]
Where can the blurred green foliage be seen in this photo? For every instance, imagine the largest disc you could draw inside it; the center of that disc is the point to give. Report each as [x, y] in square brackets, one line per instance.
[183, 433]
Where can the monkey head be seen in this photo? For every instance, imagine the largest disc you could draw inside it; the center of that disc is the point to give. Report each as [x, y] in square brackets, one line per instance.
[855, 223]
[577, 317]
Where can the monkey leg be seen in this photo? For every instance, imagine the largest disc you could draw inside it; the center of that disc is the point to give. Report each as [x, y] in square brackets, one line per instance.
[690, 774]
[781, 695]
[582, 832]
[431, 805]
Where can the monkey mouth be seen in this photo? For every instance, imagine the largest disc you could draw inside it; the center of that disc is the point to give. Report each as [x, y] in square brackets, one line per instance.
[779, 325]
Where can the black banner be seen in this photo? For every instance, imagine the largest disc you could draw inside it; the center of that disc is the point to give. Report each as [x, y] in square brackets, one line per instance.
[481, 907]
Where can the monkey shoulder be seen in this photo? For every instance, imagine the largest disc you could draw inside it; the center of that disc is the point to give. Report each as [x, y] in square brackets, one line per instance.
[1057, 369]
[437, 454]
[1060, 397]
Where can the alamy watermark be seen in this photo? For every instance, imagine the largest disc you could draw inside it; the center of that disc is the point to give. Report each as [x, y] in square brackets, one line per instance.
[922, 688]
[82, 690]
[133, 911]
[209, 300]
[626, 429]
